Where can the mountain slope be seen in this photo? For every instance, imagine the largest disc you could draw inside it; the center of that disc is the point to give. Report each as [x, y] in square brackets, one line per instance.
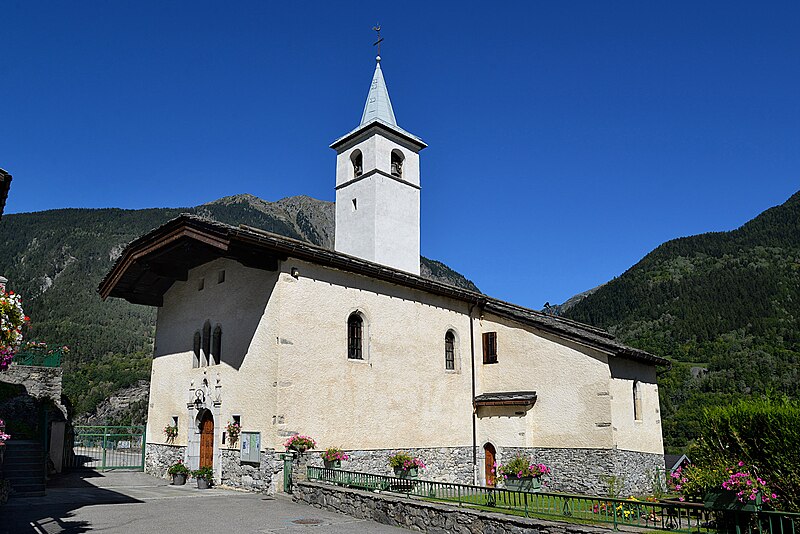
[57, 258]
[728, 302]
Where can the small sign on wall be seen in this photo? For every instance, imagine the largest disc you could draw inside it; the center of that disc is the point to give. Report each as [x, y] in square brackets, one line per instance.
[251, 447]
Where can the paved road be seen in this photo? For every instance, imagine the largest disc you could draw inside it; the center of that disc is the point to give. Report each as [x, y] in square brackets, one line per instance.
[132, 503]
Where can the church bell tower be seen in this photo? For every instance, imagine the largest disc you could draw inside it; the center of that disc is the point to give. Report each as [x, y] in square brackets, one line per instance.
[377, 186]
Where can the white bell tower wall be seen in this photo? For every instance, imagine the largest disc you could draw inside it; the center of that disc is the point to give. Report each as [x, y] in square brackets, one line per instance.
[378, 210]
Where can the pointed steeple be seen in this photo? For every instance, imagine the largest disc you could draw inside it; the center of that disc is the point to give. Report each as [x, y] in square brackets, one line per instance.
[378, 105]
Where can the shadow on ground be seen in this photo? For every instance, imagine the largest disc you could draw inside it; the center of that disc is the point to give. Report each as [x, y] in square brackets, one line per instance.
[54, 512]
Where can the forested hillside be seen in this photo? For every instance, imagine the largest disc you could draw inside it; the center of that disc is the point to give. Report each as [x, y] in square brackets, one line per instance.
[56, 259]
[726, 302]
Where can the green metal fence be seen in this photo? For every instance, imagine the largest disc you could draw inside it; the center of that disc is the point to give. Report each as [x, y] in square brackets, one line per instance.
[671, 516]
[40, 357]
[107, 447]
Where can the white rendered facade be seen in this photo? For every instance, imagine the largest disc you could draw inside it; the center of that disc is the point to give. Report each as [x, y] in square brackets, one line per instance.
[581, 402]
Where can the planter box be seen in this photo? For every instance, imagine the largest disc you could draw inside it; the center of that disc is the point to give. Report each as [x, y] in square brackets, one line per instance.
[721, 500]
[203, 483]
[406, 473]
[332, 464]
[530, 484]
[179, 479]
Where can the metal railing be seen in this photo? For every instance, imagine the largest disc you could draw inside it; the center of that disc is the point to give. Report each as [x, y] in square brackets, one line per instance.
[107, 447]
[39, 357]
[660, 515]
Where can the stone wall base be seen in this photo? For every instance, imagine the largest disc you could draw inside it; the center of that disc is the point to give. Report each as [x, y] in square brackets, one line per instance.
[262, 478]
[158, 457]
[582, 471]
[445, 464]
[594, 471]
[424, 516]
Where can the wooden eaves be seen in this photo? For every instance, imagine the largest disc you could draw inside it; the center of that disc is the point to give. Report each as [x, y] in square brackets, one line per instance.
[150, 265]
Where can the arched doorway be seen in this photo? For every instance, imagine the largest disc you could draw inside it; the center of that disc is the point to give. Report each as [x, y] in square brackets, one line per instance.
[207, 440]
[488, 462]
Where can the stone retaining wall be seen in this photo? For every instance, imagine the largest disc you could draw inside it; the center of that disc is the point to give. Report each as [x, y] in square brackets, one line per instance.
[159, 457]
[587, 471]
[446, 464]
[39, 382]
[262, 478]
[424, 516]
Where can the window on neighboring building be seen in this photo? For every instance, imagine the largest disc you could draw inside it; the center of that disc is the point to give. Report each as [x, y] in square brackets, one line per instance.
[449, 350]
[196, 350]
[397, 163]
[221, 276]
[357, 159]
[201, 284]
[490, 347]
[355, 337]
[216, 345]
[637, 401]
[206, 352]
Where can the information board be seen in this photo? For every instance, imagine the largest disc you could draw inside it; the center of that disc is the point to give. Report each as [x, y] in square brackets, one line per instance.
[250, 451]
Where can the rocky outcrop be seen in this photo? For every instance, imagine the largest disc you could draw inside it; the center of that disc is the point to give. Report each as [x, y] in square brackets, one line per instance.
[127, 406]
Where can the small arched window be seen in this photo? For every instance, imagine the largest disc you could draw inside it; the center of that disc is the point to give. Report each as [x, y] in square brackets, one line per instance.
[397, 163]
[216, 345]
[637, 401]
[449, 350]
[196, 350]
[206, 344]
[355, 337]
[357, 159]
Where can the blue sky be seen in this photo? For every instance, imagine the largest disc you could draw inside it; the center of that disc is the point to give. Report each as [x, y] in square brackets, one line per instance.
[566, 139]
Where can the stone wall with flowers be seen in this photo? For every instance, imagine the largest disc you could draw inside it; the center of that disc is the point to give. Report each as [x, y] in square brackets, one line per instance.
[445, 464]
[588, 471]
[424, 516]
[158, 458]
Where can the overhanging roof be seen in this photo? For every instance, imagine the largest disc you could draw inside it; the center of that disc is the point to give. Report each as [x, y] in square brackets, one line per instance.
[506, 398]
[5, 185]
[150, 265]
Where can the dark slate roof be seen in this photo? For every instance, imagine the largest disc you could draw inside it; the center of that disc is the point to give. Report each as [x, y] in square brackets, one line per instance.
[151, 263]
[507, 398]
[5, 184]
[673, 461]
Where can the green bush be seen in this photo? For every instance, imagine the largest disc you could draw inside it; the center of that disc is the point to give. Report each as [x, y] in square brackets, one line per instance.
[764, 433]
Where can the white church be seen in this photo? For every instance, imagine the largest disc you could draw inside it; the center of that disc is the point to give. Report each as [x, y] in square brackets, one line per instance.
[352, 347]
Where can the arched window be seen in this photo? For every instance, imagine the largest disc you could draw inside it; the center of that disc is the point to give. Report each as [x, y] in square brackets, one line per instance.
[206, 344]
[637, 401]
[449, 350]
[357, 159]
[355, 337]
[397, 163]
[196, 350]
[216, 345]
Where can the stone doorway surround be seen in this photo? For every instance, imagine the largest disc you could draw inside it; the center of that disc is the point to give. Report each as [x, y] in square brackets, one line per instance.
[204, 398]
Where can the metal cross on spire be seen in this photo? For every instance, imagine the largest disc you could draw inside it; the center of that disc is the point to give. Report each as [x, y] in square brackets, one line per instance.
[377, 29]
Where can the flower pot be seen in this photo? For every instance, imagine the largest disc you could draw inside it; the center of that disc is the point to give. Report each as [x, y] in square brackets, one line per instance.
[411, 472]
[531, 484]
[722, 500]
[179, 479]
[202, 483]
[332, 464]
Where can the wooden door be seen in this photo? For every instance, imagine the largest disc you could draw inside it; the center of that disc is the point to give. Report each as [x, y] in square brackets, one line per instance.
[207, 440]
[489, 455]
